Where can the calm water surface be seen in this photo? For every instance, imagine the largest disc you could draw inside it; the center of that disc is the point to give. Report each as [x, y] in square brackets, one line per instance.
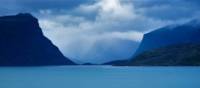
[99, 77]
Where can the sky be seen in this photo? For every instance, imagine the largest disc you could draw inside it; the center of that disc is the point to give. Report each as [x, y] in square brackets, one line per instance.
[99, 31]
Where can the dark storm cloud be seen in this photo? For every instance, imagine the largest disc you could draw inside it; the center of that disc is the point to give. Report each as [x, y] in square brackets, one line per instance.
[168, 9]
[17, 6]
[159, 9]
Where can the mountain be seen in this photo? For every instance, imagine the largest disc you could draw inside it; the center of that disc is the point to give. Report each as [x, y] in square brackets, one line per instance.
[23, 44]
[174, 55]
[170, 35]
[168, 46]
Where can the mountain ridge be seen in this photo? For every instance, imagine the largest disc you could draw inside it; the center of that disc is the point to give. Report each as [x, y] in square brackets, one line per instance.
[169, 35]
[22, 43]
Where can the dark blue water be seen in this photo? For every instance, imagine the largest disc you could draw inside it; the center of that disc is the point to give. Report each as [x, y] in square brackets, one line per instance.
[99, 77]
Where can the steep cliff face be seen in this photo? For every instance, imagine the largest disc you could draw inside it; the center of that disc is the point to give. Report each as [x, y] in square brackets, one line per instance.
[170, 35]
[23, 44]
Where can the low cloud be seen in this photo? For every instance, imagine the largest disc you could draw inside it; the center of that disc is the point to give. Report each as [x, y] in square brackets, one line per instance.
[76, 36]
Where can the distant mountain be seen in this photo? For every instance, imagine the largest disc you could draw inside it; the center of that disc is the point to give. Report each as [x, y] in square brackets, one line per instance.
[168, 46]
[108, 50]
[23, 44]
[118, 63]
